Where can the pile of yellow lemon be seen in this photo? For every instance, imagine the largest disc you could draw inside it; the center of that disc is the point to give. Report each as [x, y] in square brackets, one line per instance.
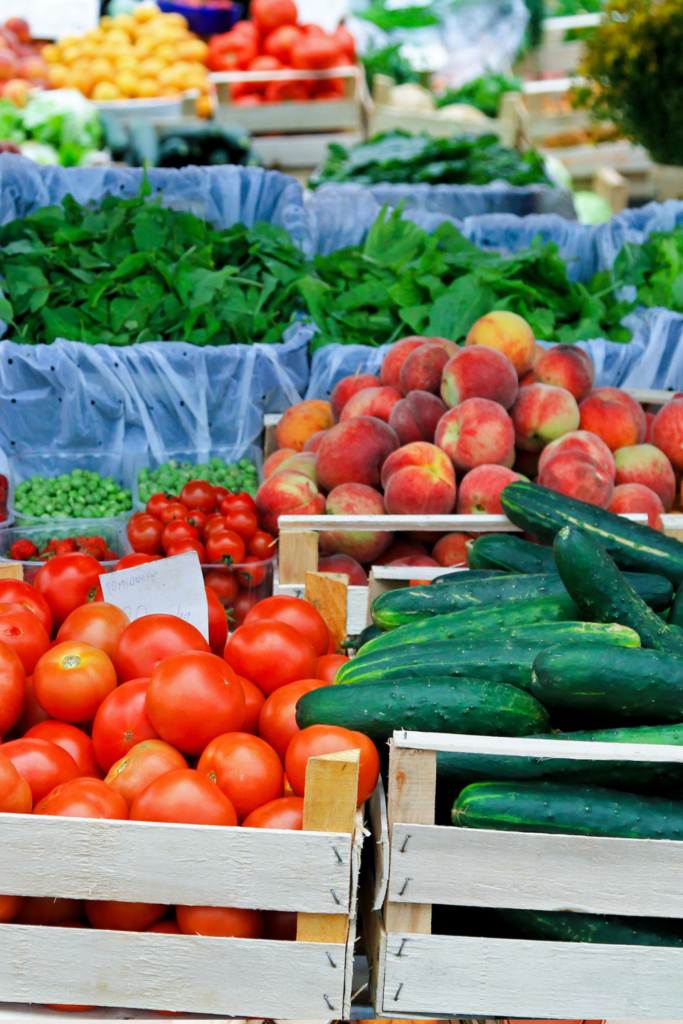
[131, 56]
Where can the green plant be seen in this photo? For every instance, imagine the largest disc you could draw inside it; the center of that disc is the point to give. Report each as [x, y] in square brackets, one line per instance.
[483, 93]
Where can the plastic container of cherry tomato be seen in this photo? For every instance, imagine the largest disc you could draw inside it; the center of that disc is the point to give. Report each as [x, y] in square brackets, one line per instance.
[240, 587]
[152, 460]
[113, 531]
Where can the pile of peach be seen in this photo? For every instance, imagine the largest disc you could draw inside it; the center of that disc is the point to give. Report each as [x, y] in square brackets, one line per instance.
[445, 428]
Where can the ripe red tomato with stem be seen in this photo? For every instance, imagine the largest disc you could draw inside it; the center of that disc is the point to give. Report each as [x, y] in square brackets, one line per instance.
[271, 654]
[284, 812]
[174, 510]
[18, 592]
[329, 665]
[214, 525]
[99, 624]
[181, 546]
[73, 740]
[72, 679]
[218, 622]
[299, 614]
[225, 546]
[221, 493]
[199, 494]
[12, 688]
[132, 561]
[149, 640]
[22, 630]
[158, 502]
[235, 501]
[67, 581]
[198, 519]
[44, 765]
[242, 522]
[252, 573]
[141, 766]
[330, 739]
[176, 530]
[144, 534]
[262, 545]
[223, 583]
[277, 720]
[183, 796]
[83, 798]
[254, 699]
[245, 768]
[121, 723]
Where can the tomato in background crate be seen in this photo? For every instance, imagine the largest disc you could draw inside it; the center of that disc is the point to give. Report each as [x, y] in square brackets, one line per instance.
[176, 530]
[331, 739]
[183, 796]
[157, 503]
[144, 533]
[83, 798]
[147, 641]
[225, 546]
[262, 545]
[31, 715]
[132, 561]
[72, 739]
[277, 720]
[72, 679]
[99, 624]
[198, 519]
[199, 494]
[328, 666]
[15, 792]
[141, 766]
[271, 654]
[251, 573]
[189, 544]
[43, 764]
[245, 768]
[241, 521]
[228, 922]
[254, 699]
[286, 812]
[223, 583]
[68, 581]
[24, 633]
[299, 614]
[12, 688]
[287, 92]
[121, 723]
[234, 501]
[125, 917]
[218, 622]
[174, 510]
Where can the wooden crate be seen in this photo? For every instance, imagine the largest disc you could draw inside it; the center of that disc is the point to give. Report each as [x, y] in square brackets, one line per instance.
[418, 974]
[313, 872]
[555, 55]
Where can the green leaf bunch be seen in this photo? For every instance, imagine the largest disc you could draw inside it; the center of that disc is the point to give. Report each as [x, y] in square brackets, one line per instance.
[655, 269]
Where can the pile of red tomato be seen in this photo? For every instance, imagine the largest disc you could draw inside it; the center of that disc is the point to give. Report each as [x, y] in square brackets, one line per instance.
[106, 718]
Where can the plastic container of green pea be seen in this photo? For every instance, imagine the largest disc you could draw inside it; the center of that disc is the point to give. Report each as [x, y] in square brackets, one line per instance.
[73, 484]
[236, 468]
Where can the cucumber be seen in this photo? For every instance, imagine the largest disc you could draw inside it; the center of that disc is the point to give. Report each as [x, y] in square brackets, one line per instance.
[636, 776]
[462, 575]
[604, 595]
[676, 611]
[542, 513]
[507, 551]
[613, 682]
[607, 929]
[570, 810]
[367, 634]
[439, 705]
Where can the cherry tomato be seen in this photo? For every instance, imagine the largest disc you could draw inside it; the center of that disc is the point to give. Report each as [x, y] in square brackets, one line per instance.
[72, 679]
[144, 535]
[98, 624]
[223, 583]
[186, 796]
[158, 502]
[277, 720]
[83, 798]
[251, 574]
[280, 924]
[32, 714]
[174, 510]
[192, 698]
[67, 581]
[123, 917]
[218, 622]
[188, 544]
[132, 561]
[299, 614]
[242, 522]
[245, 768]
[331, 739]
[22, 630]
[199, 494]
[73, 740]
[254, 699]
[329, 665]
[121, 723]
[44, 765]
[198, 519]
[18, 592]
[12, 688]
[10, 907]
[262, 545]
[45, 910]
[216, 524]
[149, 640]
[141, 766]
[221, 493]
[231, 922]
[15, 792]
[225, 547]
[177, 529]
[285, 812]
[243, 603]
[241, 500]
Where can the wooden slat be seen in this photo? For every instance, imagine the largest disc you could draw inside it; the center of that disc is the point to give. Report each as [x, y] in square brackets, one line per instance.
[466, 977]
[328, 592]
[529, 747]
[11, 571]
[377, 812]
[468, 523]
[298, 554]
[487, 868]
[188, 864]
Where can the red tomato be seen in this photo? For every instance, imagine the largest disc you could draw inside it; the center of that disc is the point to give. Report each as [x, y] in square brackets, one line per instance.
[230, 922]
[221, 493]
[199, 494]
[73, 740]
[22, 630]
[18, 592]
[98, 624]
[241, 606]
[216, 524]
[123, 917]
[262, 545]
[67, 581]
[174, 510]
[198, 519]
[44, 765]
[149, 640]
[45, 910]
[281, 925]
[192, 698]
[121, 723]
[12, 688]
[223, 583]
[144, 534]
[185, 796]
[72, 679]
[241, 500]
[332, 647]
[188, 544]
[242, 522]
[331, 739]
[245, 769]
[83, 798]
[15, 792]
[271, 654]
[165, 928]
[277, 721]
[285, 812]
[10, 907]
[218, 622]
[32, 713]
[329, 665]
[252, 573]
[132, 561]
[139, 768]
[254, 699]
[299, 614]
[225, 547]
[157, 503]
[177, 529]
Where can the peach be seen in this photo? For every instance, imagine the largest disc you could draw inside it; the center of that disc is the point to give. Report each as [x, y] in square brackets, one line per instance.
[568, 367]
[423, 368]
[579, 476]
[396, 357]
[638, 498]
[354, 452]
[274, 461]
[479, 372]
[355, 500]
[507, 332]
[415, 560]
[541, 414]
[452, 549]
[647, 465]
[301, 421]
[371, 402]
[314, 441]
[650, 418]
[415, 417]
[481, 488]
[400, 548]
[345, 564]
[614, 416]
[347, 387]
[476, 432]
[418, 479]
[530, 377]
[667, 432]
[580, 441]
[284, 494]
[302, 462]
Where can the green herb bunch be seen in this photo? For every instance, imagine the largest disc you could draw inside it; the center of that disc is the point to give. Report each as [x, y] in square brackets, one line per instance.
[133, 271]
[655, 268]
[483, 93]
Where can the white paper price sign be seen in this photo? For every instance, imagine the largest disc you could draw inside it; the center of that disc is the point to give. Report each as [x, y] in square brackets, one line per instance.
[169, 586]
[51, 19]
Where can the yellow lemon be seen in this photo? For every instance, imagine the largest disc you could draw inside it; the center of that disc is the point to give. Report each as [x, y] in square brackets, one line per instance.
[106, 91]
[68, 41]
[148, 88]
[127, 83]
[174, 18]
[118, 36]
[143, 47]
[125, 22]
[58, 75]
[166, 53]
[80, 79]
[90, 49]
[50, 53]
[192, 50]
[150, 68]
[102, 71]
[70, 54]
[145, 12]
[125, 61]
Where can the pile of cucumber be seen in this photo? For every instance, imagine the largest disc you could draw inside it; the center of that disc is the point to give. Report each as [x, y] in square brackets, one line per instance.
[579, 640]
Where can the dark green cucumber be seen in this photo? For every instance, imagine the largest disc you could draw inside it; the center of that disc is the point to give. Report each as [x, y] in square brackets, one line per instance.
[458, 575]
[510, 552]
[603, 593]
[607, 929]
[619, 684]
[676, 610]
[542, 513]
[355, 643]
[571, 810]
[635, 776]
[439, 705]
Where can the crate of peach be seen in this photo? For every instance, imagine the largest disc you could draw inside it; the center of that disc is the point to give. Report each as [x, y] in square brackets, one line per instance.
[407, 467]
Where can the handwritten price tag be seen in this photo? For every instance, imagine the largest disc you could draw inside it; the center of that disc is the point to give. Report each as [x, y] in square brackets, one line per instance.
[49, 19]
[170, 586]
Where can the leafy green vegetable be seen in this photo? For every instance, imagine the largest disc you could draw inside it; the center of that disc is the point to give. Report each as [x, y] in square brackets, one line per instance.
[388, 60]
[483, 93]
[61, 125]
[403, 280]
[391, 18]
[655, 268]
[398, 156]
[133, 271]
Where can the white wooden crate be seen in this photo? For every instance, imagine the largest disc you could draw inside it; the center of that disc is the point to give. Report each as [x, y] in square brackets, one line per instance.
[312, 872]
[417, 974]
